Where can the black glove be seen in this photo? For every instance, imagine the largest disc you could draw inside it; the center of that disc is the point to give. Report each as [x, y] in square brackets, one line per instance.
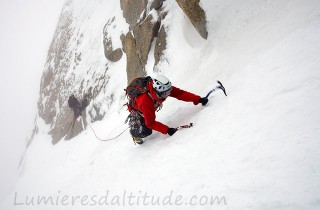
[203, 101]
[171, 131]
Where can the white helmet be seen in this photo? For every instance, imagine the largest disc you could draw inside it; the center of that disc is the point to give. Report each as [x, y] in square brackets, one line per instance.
[161, 84]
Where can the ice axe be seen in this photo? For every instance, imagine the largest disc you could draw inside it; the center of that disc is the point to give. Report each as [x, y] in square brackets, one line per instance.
[219, 86]
[184, 126]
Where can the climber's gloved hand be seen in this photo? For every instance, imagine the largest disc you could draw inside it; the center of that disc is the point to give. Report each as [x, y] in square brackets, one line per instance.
[203, 101]
[171, 131]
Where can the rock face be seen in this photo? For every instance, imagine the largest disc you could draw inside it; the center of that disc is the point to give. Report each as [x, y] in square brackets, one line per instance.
[161, 45]
[144, 20]
[196, 15]
[111, 55]
[75, 65]
[134, 65]
[70, 68]
[52, 82]
[144, 33]
[132, 10]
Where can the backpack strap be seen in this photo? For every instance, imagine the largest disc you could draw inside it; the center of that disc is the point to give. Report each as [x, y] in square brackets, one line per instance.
[156, 104]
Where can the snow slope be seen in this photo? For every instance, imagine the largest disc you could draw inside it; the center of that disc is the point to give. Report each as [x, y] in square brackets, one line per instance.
[258, 148]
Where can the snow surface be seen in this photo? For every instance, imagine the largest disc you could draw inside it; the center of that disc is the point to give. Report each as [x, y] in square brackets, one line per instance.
[258, 148]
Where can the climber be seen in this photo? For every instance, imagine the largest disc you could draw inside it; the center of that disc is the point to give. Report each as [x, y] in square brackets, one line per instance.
[158, 4]
[149, 96]
[76, 106]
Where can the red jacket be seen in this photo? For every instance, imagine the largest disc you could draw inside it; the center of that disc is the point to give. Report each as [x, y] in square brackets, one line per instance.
[149, 102]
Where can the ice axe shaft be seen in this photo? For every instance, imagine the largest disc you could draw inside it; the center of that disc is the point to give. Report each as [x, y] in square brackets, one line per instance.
[184, 126]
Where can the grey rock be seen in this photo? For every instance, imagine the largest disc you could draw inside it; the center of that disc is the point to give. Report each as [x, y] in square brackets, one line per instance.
[112, 55]
[135, 68]
[161, 45]
[144, 34]
[132, 9]
[196, 15]
[60, 76]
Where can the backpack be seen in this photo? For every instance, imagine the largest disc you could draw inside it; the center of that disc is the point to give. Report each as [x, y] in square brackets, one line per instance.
[137, 87]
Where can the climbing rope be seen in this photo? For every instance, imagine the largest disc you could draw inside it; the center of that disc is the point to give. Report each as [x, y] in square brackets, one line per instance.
[106, 139]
